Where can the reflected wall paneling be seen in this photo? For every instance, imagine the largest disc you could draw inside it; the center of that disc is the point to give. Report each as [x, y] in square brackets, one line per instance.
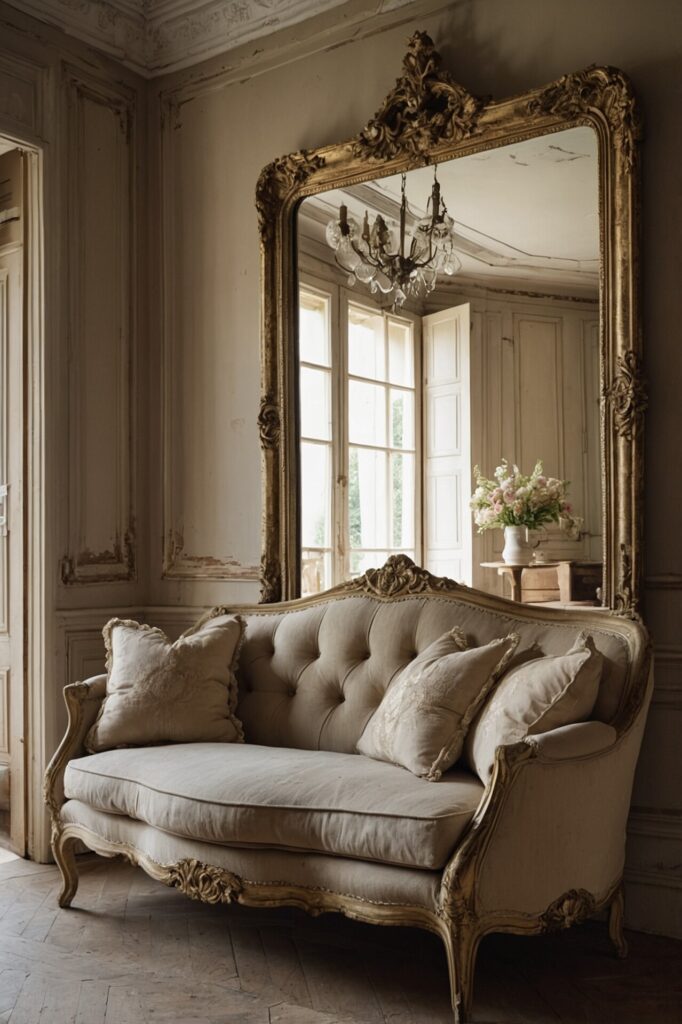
[101, 302]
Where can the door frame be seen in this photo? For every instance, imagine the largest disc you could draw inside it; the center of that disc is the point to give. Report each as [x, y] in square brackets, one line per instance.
[38, 716]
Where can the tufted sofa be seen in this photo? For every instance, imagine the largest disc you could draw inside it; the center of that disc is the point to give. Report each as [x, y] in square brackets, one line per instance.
[295, 817]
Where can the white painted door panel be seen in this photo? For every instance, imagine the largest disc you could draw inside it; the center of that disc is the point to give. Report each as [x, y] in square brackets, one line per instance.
[447, 443]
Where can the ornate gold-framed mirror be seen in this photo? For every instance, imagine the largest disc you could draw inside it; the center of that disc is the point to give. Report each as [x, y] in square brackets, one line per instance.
[428, 120]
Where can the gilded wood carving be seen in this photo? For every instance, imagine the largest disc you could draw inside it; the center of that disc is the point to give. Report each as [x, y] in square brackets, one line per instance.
[399, 576]
[574, 906]
[427, 118]
[627, 396]
[203, 882]
[425, 108]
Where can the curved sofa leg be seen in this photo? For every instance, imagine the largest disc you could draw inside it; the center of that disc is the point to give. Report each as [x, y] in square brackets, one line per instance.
[461, 947]
[63, 849]
[616, 933]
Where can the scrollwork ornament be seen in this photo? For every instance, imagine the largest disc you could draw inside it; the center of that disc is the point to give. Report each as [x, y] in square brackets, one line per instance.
[596, 88]
[277, 180]
[425, 108]
[574, 906]
[203, 881]
[627, 396]
[624, 598]
[269, 423]
[400, 576]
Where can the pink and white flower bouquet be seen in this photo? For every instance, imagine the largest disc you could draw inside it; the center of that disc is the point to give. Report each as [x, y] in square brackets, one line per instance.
[513, 499]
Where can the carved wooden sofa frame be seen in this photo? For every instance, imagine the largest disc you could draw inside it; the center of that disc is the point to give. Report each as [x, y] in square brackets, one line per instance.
[577, 754]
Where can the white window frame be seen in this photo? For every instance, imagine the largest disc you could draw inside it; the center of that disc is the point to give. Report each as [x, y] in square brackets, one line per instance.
[340, 298]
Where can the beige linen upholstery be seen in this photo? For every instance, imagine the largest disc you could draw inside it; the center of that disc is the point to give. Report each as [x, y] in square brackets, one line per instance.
[312, 675]
[378, 884]
[562, 826]
[292, 799]
[536, 697]
[579, 740]
[422, 720]
[158, 692]
[540, 847]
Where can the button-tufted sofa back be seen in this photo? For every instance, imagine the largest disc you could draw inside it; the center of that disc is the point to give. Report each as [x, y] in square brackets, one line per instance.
[312, 672]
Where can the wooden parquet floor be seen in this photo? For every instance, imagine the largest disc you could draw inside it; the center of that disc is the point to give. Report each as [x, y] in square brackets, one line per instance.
[133, 952]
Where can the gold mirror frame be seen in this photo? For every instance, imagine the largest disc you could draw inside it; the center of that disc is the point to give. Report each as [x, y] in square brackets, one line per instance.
[427, 118]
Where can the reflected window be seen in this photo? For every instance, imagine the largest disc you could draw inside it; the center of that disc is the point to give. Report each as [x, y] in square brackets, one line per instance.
[360, 493]
[316, 451]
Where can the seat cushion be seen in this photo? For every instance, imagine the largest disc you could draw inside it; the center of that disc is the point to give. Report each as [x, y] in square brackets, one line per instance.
[248, 795]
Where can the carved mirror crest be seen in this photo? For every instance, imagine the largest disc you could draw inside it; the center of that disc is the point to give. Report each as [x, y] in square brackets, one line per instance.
[428, 120]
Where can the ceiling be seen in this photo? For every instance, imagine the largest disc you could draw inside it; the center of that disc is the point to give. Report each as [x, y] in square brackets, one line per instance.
[157, 36]
[528, 212]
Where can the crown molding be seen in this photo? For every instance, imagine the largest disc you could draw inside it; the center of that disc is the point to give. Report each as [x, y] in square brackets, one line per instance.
[154, 37]
[116, 27]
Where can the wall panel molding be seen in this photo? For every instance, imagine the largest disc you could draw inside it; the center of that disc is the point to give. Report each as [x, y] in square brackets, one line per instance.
[178, 561]
[4, 436]
[22, 85]
[664, 581]
[4, 711]
[81, 642]
[102, 322]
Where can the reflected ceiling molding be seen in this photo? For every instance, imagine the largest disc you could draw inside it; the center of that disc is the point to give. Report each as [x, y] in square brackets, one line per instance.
[493, 253]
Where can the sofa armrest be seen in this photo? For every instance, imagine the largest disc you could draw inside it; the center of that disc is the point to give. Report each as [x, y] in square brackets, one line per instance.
[552, 822]
[83, 701]
[571, 741]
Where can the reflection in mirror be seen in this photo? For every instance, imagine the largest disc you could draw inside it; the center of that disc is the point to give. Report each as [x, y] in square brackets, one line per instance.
[497, 360]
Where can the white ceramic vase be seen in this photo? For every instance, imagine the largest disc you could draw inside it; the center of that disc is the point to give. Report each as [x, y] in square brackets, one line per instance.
[516, 550]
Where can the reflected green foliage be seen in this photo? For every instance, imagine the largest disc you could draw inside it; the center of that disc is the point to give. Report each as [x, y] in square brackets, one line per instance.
[354, 516]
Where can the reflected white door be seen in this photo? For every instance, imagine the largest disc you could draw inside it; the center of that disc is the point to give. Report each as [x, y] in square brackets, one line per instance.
[447, 443]
[12, 793]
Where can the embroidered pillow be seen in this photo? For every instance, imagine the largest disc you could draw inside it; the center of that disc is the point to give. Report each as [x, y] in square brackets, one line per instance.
[159, 692]
[424, 715]
[539, 695]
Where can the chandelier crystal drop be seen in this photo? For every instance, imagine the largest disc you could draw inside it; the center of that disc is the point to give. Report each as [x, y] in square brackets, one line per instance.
[391, 260]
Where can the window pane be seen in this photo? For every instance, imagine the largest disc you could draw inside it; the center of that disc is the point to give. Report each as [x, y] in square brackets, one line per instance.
[366, 413]
[367, 510]
[315, 495]
[361, 561]
[316, 571]
[366, 349]
[313, 328]
[400, 353]
[402, 419]
[402, 501]
[316, 404]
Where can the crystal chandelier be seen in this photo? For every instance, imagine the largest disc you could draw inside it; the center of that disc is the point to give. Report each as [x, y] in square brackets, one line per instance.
[391, 259]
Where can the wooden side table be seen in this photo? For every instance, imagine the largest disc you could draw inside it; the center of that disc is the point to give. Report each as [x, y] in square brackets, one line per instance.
[564, 581]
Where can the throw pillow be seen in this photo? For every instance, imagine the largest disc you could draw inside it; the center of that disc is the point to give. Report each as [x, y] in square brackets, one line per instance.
[535, 697]
[424, 715]
[159, 692]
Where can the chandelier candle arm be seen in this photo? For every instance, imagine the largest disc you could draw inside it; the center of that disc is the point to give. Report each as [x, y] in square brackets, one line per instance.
[365, 254]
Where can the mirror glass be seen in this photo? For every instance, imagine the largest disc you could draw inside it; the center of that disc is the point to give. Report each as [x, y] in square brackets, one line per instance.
[497, 360]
